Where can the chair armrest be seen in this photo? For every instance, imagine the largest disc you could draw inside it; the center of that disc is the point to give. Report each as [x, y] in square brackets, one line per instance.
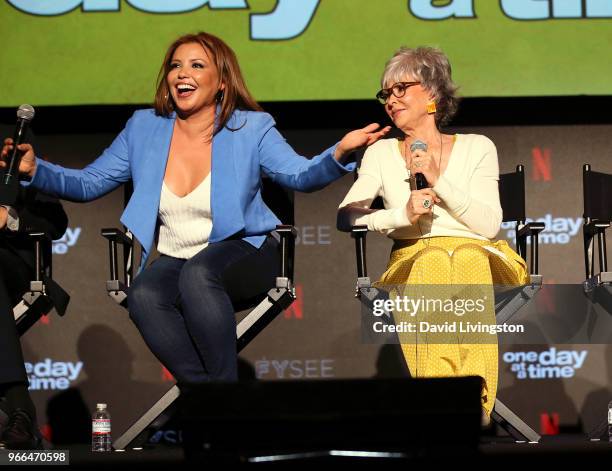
[359, 233]
[287, 234]
[39, 237]
[116, 235]
[595, 226]
[357, 230]
[530, 229]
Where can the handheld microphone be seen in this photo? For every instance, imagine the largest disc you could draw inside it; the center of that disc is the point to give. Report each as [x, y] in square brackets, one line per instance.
[421, 181]
[9, 185]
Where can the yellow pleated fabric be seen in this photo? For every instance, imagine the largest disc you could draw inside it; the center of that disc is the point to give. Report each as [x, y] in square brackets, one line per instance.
[452, 262]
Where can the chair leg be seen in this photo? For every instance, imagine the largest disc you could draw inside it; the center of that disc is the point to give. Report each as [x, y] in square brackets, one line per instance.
[31, 308]
[513, 424]
[519, 300]
[278, 299]
[265, 312]
[147, 418]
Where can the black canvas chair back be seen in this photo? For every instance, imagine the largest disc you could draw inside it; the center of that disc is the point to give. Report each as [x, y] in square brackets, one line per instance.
[597, 192]
[512, 200]
[512, 195]
[279, 200]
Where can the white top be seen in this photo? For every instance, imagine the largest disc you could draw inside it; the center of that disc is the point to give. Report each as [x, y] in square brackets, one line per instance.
[468, 189]
[184, 223]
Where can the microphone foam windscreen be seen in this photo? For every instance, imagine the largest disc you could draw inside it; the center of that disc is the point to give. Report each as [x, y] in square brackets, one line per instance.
[26, 112]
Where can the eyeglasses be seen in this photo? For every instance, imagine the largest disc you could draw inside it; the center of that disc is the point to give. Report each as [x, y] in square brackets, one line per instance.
[398, 89]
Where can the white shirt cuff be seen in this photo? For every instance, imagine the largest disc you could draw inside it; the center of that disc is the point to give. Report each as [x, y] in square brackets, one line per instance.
[12, 221]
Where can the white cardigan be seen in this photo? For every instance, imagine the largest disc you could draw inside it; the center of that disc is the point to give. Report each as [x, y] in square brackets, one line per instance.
[468, 189]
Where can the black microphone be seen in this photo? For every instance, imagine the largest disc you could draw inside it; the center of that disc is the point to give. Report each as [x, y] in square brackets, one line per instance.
[9, 185]
[421, 181]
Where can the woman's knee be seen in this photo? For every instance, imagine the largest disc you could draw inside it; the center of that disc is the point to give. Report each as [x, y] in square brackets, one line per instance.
[141, 295]
[470, 254]
[198, 276]
[433, 257]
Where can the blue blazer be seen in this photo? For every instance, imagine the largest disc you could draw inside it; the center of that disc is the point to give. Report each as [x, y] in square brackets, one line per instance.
[248, 145]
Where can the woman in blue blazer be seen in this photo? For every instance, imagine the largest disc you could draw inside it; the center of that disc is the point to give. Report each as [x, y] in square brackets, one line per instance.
[196, 161]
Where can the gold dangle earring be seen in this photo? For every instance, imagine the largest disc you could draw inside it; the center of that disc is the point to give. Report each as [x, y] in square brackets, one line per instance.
[431, 107]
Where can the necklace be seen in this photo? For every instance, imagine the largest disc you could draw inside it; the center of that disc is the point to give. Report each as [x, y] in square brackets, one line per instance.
[426, 242]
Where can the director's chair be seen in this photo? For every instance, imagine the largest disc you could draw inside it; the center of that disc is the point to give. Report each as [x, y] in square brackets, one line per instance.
[512, 198]
[276, 300]
[597, 193]
[44, 293]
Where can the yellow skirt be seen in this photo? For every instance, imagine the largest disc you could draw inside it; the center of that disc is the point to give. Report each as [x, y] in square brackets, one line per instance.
[454, 261]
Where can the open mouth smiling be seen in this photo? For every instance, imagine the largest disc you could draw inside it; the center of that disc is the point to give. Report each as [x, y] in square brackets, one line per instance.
[184, 90]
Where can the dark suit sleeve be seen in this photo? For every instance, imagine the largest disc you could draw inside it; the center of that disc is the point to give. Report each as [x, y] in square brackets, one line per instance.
[40, 212]
[36, 211]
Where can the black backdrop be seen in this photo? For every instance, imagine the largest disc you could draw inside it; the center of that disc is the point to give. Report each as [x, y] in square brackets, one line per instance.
[94, 354]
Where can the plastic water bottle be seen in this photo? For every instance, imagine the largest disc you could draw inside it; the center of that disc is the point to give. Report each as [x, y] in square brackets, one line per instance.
[101, 429]
[610, 421]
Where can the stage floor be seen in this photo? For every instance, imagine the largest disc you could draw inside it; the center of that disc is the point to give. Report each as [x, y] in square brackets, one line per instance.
[551, 449]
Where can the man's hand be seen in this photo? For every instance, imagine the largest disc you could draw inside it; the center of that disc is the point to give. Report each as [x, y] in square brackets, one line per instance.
[3, 217]
[27, 165]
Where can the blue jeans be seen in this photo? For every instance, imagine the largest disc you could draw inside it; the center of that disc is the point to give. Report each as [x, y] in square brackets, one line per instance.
[185, 309]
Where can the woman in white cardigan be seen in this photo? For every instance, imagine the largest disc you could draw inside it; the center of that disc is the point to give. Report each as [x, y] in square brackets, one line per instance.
[442, 233]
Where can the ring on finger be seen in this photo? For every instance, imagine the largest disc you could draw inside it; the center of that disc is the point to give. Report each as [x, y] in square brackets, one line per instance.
[427, 203]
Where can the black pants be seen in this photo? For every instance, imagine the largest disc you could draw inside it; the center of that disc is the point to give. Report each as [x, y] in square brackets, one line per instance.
[185, 309]
[15, 276]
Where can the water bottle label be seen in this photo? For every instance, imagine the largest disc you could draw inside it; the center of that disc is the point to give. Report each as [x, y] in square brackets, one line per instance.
[101, 426]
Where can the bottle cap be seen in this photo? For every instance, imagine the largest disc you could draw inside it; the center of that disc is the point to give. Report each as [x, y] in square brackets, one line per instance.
[101, 406]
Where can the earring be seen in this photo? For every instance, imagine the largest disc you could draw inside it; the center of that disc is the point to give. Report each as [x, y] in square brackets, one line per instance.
[431, 107]
[219, 96]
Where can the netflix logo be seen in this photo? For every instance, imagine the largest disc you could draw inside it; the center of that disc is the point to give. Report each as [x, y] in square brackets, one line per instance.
[541, 165]
[296, 310]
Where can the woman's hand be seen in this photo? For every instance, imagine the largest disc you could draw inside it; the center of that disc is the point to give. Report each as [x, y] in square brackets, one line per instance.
[359, 138]
[421, 202]
[27, 165]
[422, 162]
